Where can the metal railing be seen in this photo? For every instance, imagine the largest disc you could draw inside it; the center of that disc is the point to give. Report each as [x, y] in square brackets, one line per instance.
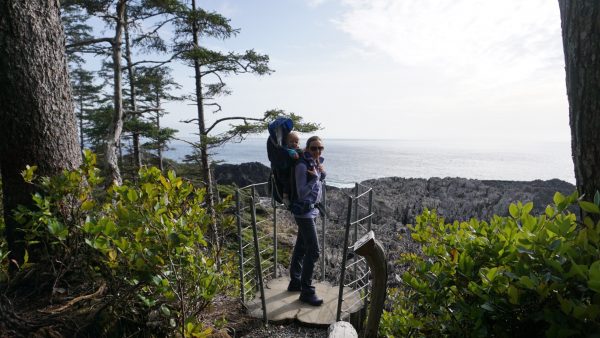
[355, 275]
[252, 265]
[258, 256]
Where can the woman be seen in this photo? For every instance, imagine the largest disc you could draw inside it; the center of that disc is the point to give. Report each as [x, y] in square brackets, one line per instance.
[309, 174]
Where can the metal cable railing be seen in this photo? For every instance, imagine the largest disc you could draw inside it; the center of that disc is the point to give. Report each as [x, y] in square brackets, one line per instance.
[355, 275]
[258, 249]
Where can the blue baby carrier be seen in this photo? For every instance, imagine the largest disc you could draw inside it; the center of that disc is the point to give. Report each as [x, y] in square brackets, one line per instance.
[282, 165]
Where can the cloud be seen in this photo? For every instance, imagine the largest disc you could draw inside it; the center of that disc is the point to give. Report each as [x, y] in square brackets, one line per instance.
[490, 41]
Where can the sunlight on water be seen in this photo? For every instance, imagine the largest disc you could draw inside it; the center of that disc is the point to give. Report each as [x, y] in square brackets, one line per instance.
[349, 161]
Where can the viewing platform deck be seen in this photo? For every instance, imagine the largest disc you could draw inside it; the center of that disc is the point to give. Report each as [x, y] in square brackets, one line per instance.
[284, 306]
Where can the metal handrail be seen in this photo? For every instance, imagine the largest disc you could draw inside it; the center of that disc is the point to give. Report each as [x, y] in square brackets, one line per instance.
[358, 267]
[255, 275]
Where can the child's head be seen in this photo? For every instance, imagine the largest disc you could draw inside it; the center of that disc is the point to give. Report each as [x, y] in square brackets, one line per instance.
[293, 140]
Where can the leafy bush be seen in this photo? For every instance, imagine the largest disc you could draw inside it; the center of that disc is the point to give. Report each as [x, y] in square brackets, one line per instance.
[145, 239]
[512, 276]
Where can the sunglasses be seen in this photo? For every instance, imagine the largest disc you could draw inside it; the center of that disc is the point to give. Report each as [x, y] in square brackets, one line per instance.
[315, 148]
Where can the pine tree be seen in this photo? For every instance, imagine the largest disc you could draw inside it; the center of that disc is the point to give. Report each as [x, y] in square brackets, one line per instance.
[87, 97]
[155, 85]
[37, 124]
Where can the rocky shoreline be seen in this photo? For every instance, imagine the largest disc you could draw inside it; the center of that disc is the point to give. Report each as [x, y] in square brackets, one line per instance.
[397, 201]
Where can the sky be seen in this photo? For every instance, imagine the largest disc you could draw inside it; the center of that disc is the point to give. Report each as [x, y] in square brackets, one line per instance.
[469, 70]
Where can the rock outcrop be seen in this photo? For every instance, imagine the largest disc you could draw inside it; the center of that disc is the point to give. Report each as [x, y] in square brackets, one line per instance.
[241, 174]
[399, 200]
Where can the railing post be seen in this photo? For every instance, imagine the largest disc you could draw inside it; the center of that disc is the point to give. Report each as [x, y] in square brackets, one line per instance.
[324, 223]
[257, 256]
[370, 209]
[344, 254]
[373, 251]
[238, 206]
[275, 241]
[355, 236]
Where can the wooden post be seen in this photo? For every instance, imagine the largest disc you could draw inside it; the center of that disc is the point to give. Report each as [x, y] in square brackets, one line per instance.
[368, 247]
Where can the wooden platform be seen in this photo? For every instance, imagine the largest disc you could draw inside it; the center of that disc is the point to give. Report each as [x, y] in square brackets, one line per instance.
[284, 306]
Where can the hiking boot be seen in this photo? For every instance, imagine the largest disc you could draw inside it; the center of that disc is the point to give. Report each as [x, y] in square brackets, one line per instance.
[311, 299]
[293, 287]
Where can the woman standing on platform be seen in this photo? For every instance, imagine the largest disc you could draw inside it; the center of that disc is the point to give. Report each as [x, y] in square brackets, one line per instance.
[309, 175]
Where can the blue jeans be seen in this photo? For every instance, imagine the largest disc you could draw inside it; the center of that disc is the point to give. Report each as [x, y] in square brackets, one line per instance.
[305, 255]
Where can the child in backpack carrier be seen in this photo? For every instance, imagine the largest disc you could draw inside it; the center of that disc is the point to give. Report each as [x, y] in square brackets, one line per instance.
[294, 152]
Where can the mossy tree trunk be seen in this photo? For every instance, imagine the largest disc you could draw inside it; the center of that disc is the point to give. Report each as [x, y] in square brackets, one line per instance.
[37, 121]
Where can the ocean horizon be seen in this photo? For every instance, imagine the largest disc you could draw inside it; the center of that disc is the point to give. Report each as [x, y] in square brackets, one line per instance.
[355, 160]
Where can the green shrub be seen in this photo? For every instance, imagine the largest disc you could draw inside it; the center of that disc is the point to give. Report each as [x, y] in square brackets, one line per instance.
[146, 240]
[512, 276]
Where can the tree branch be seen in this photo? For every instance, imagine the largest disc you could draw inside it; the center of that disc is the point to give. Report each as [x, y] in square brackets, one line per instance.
[245, 119]
[215, 104]
[90, 42]
[139, 112]
[158, 63]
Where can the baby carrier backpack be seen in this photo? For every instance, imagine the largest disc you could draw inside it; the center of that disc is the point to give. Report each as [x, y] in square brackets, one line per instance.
[282, 166]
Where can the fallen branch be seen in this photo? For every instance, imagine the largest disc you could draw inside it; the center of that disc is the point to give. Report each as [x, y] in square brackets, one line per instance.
[75, 300]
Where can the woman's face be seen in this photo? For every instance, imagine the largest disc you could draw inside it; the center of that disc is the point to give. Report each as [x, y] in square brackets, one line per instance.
[315, 148]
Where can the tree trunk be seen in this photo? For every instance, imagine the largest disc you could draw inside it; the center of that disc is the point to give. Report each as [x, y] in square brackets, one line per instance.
[81, 141]
[160, 142]
[116, 126]
[206, 177]
[135, 135]
[37, 121]
[581, 42]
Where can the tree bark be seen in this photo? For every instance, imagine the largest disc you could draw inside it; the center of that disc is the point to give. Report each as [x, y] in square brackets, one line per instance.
[581, 42]
[37, 121]
[116, 127]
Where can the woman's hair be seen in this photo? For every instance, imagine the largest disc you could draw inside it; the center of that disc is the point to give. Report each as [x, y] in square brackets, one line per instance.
[312, 139]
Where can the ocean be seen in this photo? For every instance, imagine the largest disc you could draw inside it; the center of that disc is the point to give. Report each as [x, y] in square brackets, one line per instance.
[350, 160]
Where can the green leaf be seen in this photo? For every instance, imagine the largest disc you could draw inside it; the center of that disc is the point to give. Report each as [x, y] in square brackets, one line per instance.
[87, 205]
[597, 198]
[29, 173]
[594, 276]
[513, 295]
[165, 310]
[566, 305]
[132, 195]
[513, 210]
[488, 307]
[555, 245]
[527, 208]
[558, 198]
[549, 211]
[589, 207]
[526, 282]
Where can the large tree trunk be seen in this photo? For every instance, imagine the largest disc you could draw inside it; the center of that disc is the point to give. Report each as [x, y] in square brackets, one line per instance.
[116, 126]
[37, 122]
[581, 41]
